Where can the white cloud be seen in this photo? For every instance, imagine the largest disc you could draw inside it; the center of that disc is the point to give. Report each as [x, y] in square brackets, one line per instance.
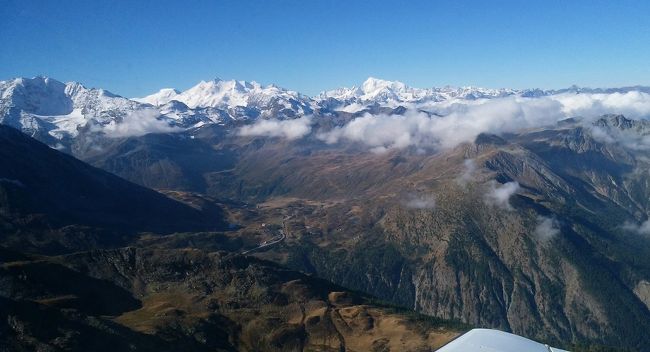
[468, 172]
[631, 104]
[627, 138]
[421, 202]
[546, 228]
[289, 129]
[449, 123]
[641, 229]
[458, 121]
[352, 108]
[139, 123]
[499, 195]
[461, 122]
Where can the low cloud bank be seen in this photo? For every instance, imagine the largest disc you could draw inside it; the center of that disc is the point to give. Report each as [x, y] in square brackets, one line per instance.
[641, 229]
[462, 121]
[139, 123]
[546, 228]
[499, 195]
[633, 104]
[629, 139]
[289, 129]
[449, 123]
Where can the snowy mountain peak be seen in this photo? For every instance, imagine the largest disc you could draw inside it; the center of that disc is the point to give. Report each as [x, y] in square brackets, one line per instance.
[38, 82]
[45, 105]
[385, 91]
[375, 90]
[393, 93]
[216, 93]
[218, 86]
[374, 86]
[228, 94]
[161, 97]
[38, 95]
[169, 91]
[49, 86]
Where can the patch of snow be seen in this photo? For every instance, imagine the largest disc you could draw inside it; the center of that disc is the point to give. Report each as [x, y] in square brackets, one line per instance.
[162, 97]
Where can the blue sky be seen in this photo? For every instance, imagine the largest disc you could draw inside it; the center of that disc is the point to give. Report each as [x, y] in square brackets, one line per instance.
[136, 47]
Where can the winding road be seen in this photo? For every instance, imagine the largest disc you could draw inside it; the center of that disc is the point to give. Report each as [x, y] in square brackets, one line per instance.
[274, 240]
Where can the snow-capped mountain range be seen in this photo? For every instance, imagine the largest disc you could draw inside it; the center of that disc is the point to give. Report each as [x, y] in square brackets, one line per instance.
[395, 93]
[53, 111]
[230, 94]
[44, 105]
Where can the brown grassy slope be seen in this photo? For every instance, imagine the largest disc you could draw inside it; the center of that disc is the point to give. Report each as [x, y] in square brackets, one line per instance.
[188, 299]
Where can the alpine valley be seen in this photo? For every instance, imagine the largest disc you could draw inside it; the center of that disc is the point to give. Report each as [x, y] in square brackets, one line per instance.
[237, 216]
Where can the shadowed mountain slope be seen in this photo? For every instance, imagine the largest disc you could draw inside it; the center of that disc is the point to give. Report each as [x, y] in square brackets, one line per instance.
[41, 188]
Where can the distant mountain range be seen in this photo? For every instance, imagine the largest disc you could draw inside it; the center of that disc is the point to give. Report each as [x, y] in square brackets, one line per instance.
[56, 112]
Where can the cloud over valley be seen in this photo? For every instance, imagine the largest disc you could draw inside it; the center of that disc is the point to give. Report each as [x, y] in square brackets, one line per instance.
[449, 123]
